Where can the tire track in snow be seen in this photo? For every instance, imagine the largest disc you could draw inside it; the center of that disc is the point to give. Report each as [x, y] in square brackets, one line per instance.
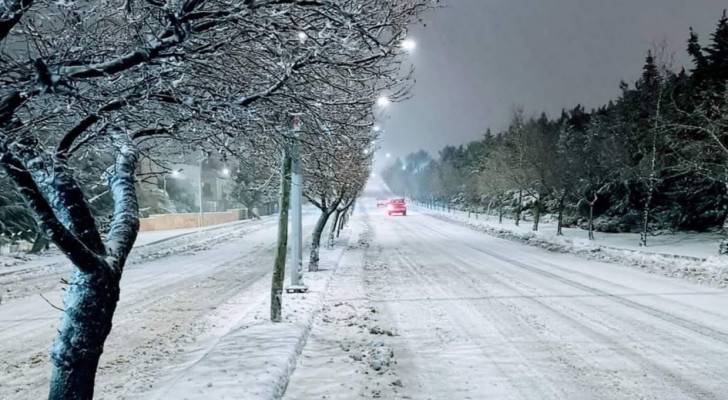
[701, 329]
[687, 386]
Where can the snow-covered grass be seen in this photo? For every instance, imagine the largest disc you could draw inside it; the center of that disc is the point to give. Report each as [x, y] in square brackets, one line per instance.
[685, 255]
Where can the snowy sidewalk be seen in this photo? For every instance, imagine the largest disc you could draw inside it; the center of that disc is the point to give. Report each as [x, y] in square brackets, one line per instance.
[247, 356]
[690, 256]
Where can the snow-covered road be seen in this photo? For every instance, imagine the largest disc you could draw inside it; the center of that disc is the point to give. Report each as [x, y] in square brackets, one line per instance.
[452, 313]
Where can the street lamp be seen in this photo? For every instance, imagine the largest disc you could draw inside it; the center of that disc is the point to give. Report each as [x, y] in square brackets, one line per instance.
[376, 128]
[174, 175]
[388, 155]
[408, 44]
[302, 36]
[225, 171]
[383, 101]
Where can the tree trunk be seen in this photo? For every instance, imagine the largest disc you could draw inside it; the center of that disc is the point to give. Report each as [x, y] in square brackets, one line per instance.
[92, 294]
[645, 221]
[313, 260]
[90, 301]
[560, 223]
[279, 268]
[519, 207]
[537, 214]
[591, 217]
[500, 213]
[723, 248]
[342, 221]
[40, 243]
[332, 231]
[653, 176]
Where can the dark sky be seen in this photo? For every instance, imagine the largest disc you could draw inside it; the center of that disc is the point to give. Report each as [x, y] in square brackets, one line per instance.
[476, 59]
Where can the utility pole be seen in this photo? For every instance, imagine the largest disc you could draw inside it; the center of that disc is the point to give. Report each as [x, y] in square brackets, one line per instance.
[201, 216]
[279, 268]
[296, 267]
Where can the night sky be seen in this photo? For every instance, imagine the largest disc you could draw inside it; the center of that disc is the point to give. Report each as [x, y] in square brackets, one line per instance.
[476, 59]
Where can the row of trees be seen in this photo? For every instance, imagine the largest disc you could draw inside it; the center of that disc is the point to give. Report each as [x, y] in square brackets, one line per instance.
[88, 89]
[654, 158]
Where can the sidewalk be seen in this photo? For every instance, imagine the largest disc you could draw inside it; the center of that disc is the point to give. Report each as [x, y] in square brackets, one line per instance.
[249, 357]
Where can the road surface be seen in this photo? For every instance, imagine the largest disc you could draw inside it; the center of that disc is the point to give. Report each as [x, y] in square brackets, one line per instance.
[434, 310]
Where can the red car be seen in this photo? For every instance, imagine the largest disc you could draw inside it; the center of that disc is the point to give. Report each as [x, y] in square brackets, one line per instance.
[397, 206]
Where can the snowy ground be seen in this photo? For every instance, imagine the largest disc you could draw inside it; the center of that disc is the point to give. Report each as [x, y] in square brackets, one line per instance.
[415, 307]
[179, 297]
[687, 255]
[435, 310]
[690, 244]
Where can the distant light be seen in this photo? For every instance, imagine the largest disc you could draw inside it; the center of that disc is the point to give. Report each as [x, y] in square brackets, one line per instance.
[175, 173]
[225, 171]
[404, 168]
[388, 155]
[377, 128]
[374, 175]
[366, 151]
[409, 44]
[302, 36]
[383, 101]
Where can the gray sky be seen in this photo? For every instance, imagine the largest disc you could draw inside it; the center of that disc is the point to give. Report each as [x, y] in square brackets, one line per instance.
[476, 59]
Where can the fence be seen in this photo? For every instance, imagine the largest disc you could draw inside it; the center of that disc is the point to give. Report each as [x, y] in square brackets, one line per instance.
[163, 222]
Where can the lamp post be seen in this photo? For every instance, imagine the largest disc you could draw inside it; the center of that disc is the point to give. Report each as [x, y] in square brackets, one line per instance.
[202, 211]
[296, 210]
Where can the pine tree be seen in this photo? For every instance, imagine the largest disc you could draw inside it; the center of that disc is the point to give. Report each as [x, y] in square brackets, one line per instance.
[696, 52]
[717, 52]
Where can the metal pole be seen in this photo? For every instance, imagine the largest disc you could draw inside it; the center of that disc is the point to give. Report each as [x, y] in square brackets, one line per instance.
[201, 216]
[296, 217]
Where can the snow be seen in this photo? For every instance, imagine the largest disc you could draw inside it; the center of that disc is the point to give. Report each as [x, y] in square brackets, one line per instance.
[415, 307]
[688, 255]
[191, 323]
[17, 269]
[473, 316]
[251, 360]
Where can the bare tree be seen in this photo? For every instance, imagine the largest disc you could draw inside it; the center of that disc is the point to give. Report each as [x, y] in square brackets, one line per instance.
[124, 76]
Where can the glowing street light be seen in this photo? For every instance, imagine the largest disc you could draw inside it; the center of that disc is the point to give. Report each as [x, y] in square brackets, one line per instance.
[377, 128]
[302, 36]
[388, 155]
[225, 171]
[408, 44]
[383, 101]
[176, 173]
